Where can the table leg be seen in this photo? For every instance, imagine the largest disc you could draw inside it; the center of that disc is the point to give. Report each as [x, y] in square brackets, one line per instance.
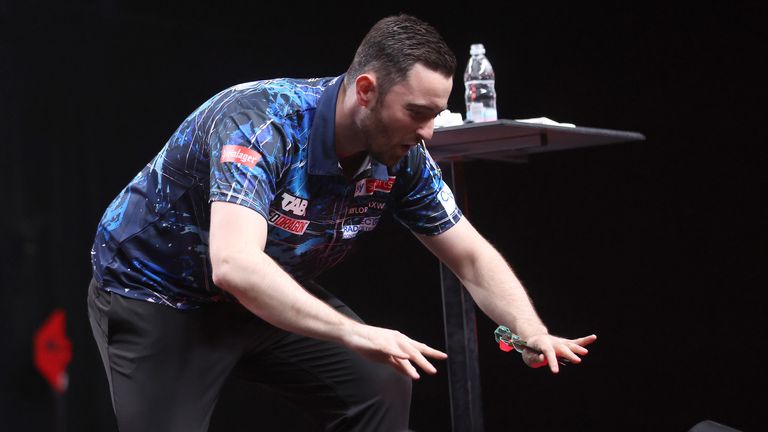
[460, 333]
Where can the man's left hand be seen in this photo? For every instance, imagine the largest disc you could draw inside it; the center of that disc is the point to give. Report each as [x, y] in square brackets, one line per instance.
[546, 349]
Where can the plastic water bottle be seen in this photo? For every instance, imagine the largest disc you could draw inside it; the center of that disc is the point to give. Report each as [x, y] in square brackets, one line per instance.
[479, 83]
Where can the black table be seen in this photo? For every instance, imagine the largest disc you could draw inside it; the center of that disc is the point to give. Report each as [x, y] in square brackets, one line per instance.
[504, 140]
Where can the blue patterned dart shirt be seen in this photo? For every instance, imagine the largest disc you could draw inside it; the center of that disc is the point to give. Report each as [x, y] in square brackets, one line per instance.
[269, 146]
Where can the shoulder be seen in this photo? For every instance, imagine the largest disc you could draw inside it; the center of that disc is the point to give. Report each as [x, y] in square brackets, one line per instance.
[271, 98]
[282, 96]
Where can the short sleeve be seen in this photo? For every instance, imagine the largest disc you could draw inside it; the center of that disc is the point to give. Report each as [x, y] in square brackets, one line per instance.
[247, 154]
[426, 205]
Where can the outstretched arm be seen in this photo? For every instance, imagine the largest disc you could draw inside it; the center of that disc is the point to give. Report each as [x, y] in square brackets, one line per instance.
[497, 291]
[240, 266]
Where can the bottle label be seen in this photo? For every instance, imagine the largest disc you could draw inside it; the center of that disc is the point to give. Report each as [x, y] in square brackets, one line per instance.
[475, 111]
[489, 114]
[480, 97]
[478, 113]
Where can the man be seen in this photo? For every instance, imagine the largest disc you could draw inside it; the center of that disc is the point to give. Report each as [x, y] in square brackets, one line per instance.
[204, 263]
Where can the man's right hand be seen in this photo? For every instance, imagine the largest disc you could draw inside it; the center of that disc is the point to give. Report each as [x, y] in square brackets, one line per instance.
[392, 347]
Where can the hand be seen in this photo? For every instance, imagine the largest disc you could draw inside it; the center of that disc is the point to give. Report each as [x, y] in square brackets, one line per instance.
[394, 348]
[545, 350]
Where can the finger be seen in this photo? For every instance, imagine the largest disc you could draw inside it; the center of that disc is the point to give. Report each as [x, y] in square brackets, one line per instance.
[586, 340]
[404, 367]
[421, 361]
[396, 350]
[569, 355]
[429, 351]
[412, 372]
[576, 348]
[549, 354]
[413, 348]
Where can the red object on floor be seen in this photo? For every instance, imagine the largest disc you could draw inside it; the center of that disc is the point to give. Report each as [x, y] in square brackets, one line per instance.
[53, 350]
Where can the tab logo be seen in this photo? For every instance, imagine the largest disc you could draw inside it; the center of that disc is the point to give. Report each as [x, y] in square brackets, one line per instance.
[294, 204]
[370, 185]
[240, 154]
[286, 223]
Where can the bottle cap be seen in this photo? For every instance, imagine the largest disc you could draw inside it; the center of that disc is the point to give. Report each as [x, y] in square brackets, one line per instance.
[476, 49]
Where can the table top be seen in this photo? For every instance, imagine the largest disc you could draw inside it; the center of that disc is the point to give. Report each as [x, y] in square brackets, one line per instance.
[515, 140]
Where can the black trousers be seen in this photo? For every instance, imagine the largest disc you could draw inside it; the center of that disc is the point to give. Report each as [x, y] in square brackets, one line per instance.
[166, 367]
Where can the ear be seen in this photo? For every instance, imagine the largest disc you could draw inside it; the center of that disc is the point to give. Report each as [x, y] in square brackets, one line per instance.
[365, 90]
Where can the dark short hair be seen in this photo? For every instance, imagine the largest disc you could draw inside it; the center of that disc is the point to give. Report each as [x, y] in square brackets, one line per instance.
[394, 45]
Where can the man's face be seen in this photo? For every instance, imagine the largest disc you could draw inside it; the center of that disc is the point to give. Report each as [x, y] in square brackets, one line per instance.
[406, 115]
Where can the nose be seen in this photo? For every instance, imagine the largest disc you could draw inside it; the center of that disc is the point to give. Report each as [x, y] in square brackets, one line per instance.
[426, 130]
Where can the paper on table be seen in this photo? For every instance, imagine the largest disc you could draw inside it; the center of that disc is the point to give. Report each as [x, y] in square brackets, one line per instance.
[447, 118]
[545, 121]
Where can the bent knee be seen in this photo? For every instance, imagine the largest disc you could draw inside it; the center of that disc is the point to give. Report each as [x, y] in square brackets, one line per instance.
[385, 384]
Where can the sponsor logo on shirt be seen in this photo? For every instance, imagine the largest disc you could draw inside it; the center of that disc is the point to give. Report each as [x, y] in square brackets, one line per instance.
[294, 204]
[240, 154]
[367, 224]
[295, 226]
[370, 185]
[363, 208]
[447, 200]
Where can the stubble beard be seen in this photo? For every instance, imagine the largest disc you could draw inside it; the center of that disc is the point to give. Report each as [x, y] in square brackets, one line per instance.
[378, 140]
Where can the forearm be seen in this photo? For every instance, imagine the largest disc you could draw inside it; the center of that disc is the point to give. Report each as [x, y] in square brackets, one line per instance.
[499, 293]
[240, 266]
[268, 291]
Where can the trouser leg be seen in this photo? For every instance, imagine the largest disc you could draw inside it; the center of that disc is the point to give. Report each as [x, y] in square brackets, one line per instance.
[165, 367]
[340, 388]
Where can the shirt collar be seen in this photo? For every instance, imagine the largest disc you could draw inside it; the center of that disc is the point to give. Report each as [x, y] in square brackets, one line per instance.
[322, 159]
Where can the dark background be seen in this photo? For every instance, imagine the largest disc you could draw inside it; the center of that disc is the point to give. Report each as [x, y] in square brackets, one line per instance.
[659, 247]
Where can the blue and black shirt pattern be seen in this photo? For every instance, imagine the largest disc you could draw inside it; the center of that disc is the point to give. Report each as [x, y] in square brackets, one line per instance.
[269, 146]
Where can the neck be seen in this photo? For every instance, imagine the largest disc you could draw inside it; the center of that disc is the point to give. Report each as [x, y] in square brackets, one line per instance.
[348, 139]
[351, 164]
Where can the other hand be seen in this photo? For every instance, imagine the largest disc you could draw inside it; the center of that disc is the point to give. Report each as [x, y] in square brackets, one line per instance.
[394, 348]
[546, 349]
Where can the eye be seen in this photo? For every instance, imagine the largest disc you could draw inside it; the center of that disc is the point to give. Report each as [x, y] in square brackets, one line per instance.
[421, 115]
